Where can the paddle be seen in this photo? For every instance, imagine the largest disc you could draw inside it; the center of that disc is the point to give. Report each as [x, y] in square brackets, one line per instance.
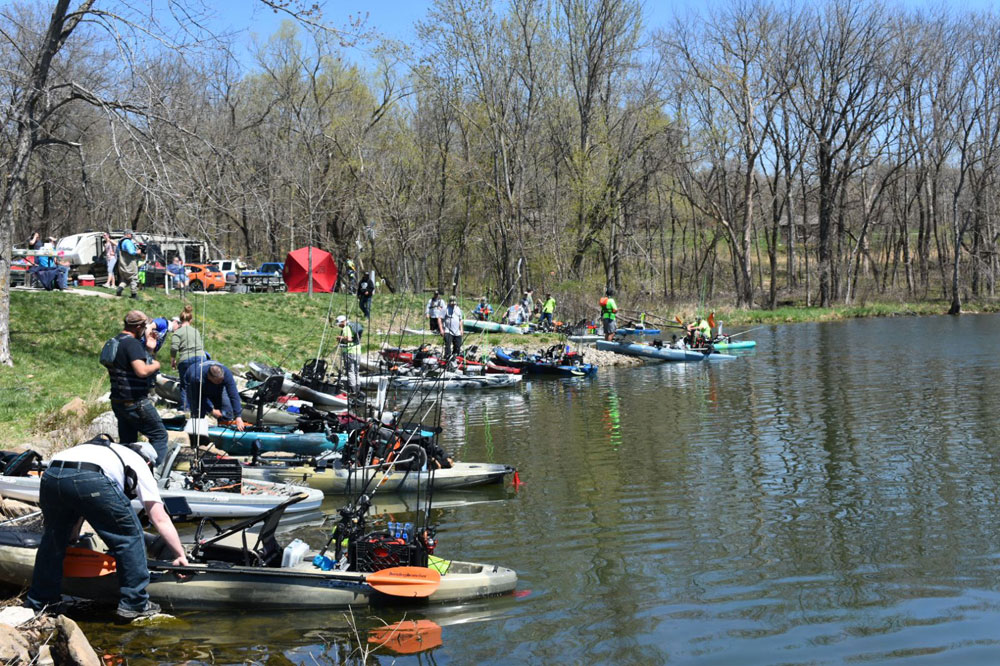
[410, 582]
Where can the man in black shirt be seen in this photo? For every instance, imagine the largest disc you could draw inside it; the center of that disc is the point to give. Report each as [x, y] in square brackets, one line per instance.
[365, 290]
[131, 377]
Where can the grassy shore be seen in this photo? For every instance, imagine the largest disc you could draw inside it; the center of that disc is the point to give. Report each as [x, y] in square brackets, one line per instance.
[56, 338]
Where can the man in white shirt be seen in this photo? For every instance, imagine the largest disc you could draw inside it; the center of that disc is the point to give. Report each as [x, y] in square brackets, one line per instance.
[91, 482]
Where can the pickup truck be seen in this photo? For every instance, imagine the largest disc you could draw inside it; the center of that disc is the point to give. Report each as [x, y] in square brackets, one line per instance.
[266, 278]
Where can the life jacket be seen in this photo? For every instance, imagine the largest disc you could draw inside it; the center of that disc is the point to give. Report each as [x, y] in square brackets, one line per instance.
[116, 371]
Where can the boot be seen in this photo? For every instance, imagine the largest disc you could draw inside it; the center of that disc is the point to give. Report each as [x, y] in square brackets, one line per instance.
[118, 291]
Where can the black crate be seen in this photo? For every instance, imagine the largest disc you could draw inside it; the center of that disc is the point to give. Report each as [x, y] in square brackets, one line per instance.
[379, 551]
[220, 474]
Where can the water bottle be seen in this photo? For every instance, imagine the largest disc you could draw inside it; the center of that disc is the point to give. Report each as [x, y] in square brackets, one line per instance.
[407, 531]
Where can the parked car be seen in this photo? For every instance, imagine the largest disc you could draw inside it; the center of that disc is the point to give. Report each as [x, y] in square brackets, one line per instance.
[205, 277]
[276, 267]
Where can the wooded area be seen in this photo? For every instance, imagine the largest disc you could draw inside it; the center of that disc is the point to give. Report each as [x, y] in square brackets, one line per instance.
[763, 153]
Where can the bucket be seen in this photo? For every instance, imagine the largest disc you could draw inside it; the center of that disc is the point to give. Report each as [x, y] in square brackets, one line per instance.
[293, 553]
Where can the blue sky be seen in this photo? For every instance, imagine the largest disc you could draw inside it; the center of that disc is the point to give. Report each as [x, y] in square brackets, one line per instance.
[395, 18]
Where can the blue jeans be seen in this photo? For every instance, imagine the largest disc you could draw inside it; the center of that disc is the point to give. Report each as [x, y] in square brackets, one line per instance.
[546, 318]
[65, 496]
[182, 369]
[365, 303]
[62, 279]
[141, 417]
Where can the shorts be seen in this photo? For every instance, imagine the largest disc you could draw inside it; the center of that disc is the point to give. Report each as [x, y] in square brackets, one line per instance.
[610, 326]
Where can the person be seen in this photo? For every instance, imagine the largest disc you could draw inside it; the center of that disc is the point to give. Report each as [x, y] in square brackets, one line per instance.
[178, 275]
[62, 277]
[483, 310]
[452, 324]
[435, 312]
[365, 290]
[514, 315]
[609, 310]
[128, 265]
[211, 389]
[186, 350]
[110, 258]
[161, 328]
[528, 306]
[35, 241]
[131, 374]
[349, 341]
[89, 482]
[548, 309]
[699, 332]
[352, 276]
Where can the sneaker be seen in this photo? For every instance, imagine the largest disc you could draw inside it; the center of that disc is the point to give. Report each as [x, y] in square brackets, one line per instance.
[152, 608]
[118, 291]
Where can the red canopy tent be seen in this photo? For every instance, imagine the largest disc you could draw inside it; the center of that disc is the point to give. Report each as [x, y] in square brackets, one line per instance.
[296, 273]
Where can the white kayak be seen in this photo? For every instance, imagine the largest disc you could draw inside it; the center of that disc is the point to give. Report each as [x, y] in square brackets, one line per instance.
[254, 497]
[321, 399]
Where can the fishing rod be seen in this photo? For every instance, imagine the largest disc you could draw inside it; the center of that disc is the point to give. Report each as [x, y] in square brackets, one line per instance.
[733, 335]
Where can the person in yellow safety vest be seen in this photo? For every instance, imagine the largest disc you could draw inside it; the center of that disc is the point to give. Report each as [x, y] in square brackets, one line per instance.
[548, 309]
[699, 332]
[349, 341]
[608, 311]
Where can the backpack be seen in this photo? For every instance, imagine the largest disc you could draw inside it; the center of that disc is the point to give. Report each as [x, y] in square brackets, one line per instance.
[109, 352]
[358, 329]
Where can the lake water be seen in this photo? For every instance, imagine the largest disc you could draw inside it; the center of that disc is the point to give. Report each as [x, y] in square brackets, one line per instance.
[830, 497]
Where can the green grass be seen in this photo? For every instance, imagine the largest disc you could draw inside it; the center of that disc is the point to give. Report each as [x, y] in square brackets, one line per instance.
[56, 338]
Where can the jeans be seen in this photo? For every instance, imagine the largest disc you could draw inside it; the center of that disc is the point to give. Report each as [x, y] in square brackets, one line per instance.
[200, 408]
[545, 320]
[352, 363]
[65, 496]
[182, 369]
[452, 345]
[62, 279]
[141, 417]
[365, 303]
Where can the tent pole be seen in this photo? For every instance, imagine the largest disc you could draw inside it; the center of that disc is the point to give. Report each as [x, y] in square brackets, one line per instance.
[310, 271]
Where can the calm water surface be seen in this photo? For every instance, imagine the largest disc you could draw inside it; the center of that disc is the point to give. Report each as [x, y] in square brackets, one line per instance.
[831, 497]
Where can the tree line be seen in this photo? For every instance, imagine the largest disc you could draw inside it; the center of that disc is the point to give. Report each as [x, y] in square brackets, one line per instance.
[760, 153]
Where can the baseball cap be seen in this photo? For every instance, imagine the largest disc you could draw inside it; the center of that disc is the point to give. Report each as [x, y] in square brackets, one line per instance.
[452, 299]
[144, 449]
[135, 318]
[341, 319]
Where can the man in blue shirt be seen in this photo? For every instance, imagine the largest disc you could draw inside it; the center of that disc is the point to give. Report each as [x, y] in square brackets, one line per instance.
[178, 275]
[212, 390]
[128, 265]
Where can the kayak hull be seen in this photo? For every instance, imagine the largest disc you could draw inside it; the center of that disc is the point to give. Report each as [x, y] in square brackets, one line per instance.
[257, 496]
[336, 480]
[449, 383]
[491, 327]
[660, 353]
[226, 587]
[241, 443]
[735, 344]
[534, 367]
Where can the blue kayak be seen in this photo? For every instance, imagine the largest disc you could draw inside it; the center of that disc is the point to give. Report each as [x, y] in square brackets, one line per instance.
[536, 364]
[735, 344]
[664, 353]
[638, 331]
[271, 438]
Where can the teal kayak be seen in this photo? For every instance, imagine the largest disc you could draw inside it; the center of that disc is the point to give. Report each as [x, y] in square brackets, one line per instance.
[491, 327]
[271, 438]
[735, 344]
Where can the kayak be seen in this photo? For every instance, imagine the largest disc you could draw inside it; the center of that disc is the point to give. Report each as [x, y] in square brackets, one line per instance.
[415, 359]
[241, 443]
[638, 331]
[491, 327]
[327, 397]
[254, 496]
[536, 364]
[246, 568]
[664, 353]
[735, 344]
[448, 381]
[335, 479]
[168, 388]
[585, 338]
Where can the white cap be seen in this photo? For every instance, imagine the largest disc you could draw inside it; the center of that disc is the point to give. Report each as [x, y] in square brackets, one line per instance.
[341, 319]
[144, 449]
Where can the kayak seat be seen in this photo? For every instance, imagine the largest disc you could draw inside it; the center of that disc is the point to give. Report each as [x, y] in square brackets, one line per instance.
[248, 543]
